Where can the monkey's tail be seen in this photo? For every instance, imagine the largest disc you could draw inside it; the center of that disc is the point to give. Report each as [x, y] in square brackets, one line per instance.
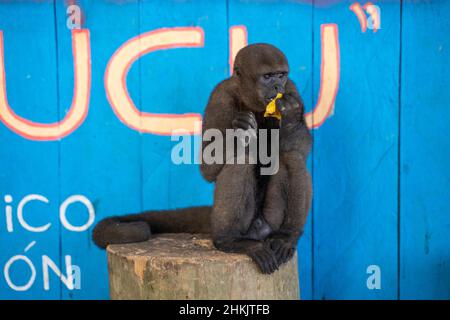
[139, 227]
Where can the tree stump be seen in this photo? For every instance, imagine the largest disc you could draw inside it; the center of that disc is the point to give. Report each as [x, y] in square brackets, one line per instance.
[187, 266]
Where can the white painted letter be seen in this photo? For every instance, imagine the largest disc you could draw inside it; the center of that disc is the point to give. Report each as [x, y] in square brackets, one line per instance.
[68, 280]
[69, 201]
[22, 203]
[8, 213]
[8, 279]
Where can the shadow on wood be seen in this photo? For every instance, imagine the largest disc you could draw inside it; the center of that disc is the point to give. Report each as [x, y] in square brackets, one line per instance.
[187, 266]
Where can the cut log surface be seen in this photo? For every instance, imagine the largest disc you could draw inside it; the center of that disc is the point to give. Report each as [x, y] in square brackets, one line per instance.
[187, 266]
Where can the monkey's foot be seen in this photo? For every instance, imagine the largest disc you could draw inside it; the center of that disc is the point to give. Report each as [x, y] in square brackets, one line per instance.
[283, 250]
[265, 259]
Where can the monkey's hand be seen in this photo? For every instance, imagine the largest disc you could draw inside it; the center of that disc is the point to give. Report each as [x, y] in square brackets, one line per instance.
[283, 248]
[291, 114]
[245, 121]
[265, 259]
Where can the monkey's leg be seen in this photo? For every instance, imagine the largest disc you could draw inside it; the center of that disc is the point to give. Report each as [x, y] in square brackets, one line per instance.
[274, 212]
[233, 213]
[287, 204]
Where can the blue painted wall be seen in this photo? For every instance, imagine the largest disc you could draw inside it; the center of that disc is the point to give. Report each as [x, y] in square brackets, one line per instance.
[379, 161]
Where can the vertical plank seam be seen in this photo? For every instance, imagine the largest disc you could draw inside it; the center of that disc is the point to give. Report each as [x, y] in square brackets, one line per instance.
[399, 153]
[141, 136]
[227, 14]
[170, 170]
[312, 156]
[58, 107]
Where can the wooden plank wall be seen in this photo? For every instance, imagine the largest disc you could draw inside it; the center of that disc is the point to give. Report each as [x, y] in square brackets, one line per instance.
[379, 161]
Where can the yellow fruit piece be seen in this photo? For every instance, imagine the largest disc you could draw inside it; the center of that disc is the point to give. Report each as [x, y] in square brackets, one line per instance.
[271, 109]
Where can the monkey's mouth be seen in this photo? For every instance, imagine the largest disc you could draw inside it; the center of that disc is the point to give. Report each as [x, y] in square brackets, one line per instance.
[276, 95]
[269, 99]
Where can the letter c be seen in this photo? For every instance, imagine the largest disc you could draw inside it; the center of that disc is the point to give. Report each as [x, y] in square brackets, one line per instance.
[117, 70]
[22, 203]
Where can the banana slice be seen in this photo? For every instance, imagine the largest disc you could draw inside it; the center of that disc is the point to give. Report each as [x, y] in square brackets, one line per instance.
[271, 109]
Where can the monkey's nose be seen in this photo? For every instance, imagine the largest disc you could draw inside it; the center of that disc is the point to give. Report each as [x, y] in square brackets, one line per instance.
[272, 97]
[279, 89]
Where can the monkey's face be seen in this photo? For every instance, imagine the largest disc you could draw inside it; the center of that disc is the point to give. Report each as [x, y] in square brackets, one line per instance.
[262, 72]
[269, 84]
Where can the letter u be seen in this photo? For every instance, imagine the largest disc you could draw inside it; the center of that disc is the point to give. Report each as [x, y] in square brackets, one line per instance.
[80, 101]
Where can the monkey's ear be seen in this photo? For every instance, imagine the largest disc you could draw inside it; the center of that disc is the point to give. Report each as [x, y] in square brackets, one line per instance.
[236, 71]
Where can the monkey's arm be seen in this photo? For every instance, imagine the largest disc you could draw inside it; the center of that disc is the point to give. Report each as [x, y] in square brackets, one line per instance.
[295, 145]
[294, 134]
[298, 196]
[222, 114]
[298, 200]
[219, 116]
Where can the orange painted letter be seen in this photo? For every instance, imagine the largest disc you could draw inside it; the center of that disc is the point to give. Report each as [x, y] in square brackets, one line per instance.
[80, 101]
[329, 76]
[117, 70]
[238, 40]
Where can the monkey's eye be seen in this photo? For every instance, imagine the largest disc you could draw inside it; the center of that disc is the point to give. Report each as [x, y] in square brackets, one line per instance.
[267, 76]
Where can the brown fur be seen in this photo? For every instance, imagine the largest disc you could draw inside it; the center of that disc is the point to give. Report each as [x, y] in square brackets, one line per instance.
[262, 216]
